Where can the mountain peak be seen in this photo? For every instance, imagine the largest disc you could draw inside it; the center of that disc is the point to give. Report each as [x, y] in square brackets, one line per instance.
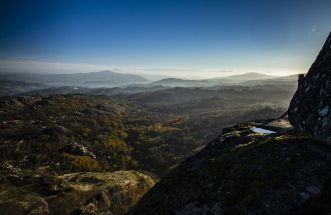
[328, 41]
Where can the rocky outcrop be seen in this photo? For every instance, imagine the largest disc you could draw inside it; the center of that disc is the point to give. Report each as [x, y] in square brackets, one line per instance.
[247, 172]
[89, 193]
[77, 149]
[310, 108]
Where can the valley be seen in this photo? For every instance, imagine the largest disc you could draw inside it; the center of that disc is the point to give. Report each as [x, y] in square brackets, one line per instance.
[46, 135]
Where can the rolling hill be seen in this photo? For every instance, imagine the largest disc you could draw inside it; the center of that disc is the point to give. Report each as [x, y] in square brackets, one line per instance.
[92, 79]
[249, 79]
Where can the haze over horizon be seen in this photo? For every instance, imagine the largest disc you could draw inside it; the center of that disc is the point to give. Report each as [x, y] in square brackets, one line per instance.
[192, 39]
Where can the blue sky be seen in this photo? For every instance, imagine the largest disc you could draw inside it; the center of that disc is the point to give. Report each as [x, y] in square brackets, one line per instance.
[188, 38]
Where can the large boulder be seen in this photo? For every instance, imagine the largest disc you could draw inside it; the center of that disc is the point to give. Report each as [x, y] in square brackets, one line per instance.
[83, 193]
[245, 171]
[310, 108]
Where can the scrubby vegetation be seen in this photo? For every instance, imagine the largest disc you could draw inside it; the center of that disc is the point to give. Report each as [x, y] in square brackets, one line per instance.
[147, 131]
[84, 154]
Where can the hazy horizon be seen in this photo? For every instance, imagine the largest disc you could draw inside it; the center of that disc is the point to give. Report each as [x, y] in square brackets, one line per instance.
[39, 67]
[186, 39]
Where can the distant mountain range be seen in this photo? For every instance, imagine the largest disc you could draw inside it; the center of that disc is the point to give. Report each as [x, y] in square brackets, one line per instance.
[112, 83]
[93, 79]
[246, 79]
[176, 82]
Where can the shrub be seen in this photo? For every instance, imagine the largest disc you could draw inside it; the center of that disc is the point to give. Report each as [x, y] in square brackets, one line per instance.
[78, 163]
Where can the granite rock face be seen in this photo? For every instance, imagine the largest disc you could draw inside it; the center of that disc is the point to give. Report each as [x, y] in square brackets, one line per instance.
[310, 108]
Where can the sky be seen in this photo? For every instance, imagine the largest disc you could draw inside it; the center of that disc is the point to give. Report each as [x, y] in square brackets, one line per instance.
[177, 38]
